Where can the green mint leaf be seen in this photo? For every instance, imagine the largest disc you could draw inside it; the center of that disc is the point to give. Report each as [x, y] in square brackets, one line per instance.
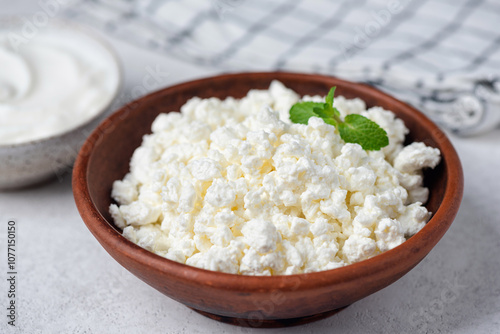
[326, 111]
[331, 121]
[336, 112]
[329, 104]
[302, 111]
[331, 111]
[323, 113]
[354, 129]
[326, 115]
[360, 130]
[329, 97]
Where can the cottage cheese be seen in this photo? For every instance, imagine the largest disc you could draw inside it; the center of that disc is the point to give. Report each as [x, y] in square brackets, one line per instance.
[234, 186]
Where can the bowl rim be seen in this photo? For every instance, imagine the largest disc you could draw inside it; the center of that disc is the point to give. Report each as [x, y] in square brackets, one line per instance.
[436, 227]
[96, 37]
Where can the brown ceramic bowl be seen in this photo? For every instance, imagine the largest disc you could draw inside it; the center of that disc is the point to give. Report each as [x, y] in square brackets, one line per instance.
[249, 300]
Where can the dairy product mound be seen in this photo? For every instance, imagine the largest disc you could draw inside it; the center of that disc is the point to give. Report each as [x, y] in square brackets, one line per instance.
[233, 186]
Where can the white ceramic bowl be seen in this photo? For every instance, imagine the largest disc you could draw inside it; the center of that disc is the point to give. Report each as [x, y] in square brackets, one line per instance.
[27, 163]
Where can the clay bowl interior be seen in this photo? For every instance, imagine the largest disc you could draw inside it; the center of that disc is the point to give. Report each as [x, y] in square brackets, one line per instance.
[249, 300]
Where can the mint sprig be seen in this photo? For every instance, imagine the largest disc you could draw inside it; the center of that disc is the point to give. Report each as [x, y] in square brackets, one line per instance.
[354, 128]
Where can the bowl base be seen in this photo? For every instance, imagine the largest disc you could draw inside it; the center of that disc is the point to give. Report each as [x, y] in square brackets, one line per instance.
[273, 323]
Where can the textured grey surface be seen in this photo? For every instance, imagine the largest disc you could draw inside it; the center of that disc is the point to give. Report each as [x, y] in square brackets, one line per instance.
[69, 284]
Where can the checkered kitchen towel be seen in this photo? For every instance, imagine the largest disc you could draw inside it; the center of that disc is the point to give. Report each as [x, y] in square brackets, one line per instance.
[443, 56]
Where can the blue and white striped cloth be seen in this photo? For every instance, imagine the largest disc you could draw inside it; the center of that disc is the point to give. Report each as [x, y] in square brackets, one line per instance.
[443, 56]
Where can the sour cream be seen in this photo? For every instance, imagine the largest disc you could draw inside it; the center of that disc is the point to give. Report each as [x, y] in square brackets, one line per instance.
[52, 82]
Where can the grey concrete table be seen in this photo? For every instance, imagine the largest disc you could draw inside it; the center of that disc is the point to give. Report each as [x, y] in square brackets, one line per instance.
[67, 283]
